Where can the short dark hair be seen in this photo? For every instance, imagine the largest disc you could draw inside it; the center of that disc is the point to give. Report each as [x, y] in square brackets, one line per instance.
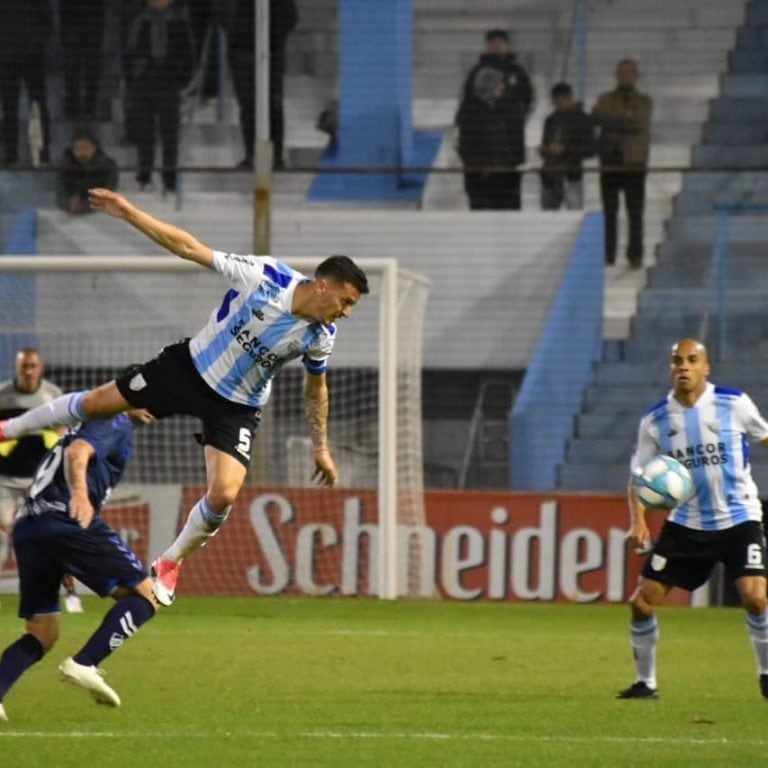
[561, 89]
[343, 270]
[497, 33]
[84, 134]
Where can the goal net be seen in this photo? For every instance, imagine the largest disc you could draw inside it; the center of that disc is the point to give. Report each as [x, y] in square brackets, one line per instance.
[90, 317]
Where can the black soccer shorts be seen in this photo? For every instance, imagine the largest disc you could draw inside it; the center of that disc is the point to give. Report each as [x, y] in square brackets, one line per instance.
[684, 557]
[169, 385]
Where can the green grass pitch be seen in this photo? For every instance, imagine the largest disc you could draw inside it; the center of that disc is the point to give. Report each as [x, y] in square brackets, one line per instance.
[293, 682]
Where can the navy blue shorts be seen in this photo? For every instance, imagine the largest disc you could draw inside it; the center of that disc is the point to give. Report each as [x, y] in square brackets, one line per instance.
[97, 557]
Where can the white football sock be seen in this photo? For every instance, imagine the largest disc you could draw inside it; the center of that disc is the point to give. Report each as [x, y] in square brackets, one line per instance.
[202, 525]
[645, 637]
[65, 410]
[758, 632]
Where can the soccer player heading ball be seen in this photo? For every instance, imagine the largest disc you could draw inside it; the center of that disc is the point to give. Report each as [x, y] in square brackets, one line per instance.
[705, 427]
[270, 315]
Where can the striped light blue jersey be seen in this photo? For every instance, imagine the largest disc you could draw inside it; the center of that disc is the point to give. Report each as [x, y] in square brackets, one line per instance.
[253, 333]
[710, 439]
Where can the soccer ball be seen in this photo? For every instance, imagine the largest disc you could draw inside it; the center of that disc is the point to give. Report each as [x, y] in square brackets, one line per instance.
[662, 483]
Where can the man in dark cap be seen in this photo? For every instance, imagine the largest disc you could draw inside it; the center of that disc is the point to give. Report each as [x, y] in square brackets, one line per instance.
[514, 104]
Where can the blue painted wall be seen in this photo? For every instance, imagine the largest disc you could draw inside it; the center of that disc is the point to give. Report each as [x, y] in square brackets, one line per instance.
[375, 105]
[562, 365]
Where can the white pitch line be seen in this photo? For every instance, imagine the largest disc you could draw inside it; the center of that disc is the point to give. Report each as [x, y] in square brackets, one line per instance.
[399, 736]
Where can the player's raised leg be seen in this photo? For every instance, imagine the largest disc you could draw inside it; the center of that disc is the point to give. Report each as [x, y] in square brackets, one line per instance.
[644, 635]
[225, 475]
[66, 410]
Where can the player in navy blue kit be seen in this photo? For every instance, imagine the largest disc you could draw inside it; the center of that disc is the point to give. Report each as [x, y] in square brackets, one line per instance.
[58, 531]
[270, 315]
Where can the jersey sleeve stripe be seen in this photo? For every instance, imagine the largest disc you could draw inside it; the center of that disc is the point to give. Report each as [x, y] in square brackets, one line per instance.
[277, 277]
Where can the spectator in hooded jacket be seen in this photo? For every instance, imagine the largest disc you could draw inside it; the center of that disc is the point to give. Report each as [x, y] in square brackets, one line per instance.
[488, 157]
[161, 56]
[517, 99]
[83, 167]
[568, 139]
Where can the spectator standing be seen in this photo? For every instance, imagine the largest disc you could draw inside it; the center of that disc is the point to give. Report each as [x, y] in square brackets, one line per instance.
[624, 118]
[24, 29]
[517, 101]
[568, 139]
[484, 145]
[160, 61]
[283, 18]
[81, 24]
[84, 166]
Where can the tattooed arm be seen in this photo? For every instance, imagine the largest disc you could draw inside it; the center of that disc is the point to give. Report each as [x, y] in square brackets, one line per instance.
[316, 406]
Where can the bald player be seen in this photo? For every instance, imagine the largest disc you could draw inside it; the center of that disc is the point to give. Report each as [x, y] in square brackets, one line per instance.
[19, 458]
[705, 427]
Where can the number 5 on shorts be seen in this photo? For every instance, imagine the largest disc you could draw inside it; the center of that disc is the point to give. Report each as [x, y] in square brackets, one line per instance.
[243, 446]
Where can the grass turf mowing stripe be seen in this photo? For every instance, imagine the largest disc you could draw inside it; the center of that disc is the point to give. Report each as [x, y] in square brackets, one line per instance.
[400, 736]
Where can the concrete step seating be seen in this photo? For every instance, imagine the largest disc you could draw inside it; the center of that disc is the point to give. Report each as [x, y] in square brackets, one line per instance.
[480, 265]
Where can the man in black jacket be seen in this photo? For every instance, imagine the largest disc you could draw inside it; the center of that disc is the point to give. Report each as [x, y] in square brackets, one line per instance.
[240, 24]
[24, 28]
[515, 103]
[568, 139]
[160, 53]
[83, 167]
[81, 24]
[484, 145]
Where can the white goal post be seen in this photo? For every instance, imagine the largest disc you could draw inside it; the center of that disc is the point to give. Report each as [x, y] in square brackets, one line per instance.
[101, 313]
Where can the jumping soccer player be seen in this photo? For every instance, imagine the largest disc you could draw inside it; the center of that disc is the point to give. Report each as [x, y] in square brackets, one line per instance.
[58, 532]
[270, 315]
[705, 427]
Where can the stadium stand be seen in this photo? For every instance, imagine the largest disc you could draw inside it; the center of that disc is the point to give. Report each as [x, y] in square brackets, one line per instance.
[681, 285]
[681, 46]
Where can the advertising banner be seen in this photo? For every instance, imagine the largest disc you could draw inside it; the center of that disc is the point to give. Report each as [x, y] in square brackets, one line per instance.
[474, 546]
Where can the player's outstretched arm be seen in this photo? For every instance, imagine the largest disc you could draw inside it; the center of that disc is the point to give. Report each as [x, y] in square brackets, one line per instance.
[170, 237]
[316, 405]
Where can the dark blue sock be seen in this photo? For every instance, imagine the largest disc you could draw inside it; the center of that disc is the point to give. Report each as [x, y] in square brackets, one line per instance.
[122, 621]
[17, 658]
